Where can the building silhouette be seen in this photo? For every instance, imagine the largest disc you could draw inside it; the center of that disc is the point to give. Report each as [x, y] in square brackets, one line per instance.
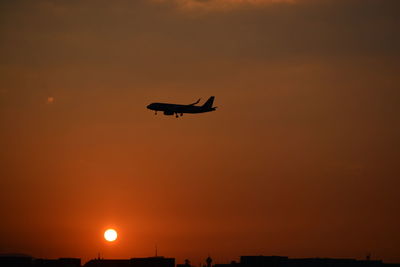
[133, 262]
[278, 261]
[61, 262]
[16, 261]
[27, 261]
[108, 263]
[186, 264]
[153, 262]
[245, 261]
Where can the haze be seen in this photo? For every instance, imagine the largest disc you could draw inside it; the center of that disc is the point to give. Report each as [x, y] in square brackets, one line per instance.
[301, 158]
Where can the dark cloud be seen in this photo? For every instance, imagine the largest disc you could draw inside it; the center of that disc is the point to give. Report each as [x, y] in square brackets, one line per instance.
[151, 29]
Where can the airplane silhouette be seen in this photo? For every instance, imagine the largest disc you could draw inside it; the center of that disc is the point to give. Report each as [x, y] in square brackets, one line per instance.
[171, 109]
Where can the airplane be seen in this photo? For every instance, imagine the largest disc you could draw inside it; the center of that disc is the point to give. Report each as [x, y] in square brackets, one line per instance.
[171, 109]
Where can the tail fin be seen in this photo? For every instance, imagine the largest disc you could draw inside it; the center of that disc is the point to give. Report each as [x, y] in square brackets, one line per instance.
[209, 103]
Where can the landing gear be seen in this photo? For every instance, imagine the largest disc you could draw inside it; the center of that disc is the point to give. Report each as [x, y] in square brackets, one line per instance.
[178, 114]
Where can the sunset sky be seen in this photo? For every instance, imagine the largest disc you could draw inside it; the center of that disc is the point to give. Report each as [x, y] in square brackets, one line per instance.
[301, 158]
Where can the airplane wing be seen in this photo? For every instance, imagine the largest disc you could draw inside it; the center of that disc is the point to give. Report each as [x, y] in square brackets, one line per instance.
[195, 102]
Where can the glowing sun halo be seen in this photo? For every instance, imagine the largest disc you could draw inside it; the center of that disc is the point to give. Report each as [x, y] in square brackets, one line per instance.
[110, 235]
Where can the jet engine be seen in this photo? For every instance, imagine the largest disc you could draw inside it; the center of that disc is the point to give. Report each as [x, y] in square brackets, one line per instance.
[168, 113]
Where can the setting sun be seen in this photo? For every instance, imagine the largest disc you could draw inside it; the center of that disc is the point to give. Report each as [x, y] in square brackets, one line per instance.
[110, 235]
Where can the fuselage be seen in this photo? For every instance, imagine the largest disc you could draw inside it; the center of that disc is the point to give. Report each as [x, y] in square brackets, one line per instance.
[176, 108]
[171, 109]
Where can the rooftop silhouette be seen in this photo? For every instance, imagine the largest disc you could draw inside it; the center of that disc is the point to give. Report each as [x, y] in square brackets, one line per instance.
[245, 261]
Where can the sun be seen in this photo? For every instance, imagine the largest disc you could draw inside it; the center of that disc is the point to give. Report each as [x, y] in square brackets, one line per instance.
[110, 235]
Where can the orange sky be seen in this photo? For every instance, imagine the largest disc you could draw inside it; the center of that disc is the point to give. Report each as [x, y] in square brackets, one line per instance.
[301, 159]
